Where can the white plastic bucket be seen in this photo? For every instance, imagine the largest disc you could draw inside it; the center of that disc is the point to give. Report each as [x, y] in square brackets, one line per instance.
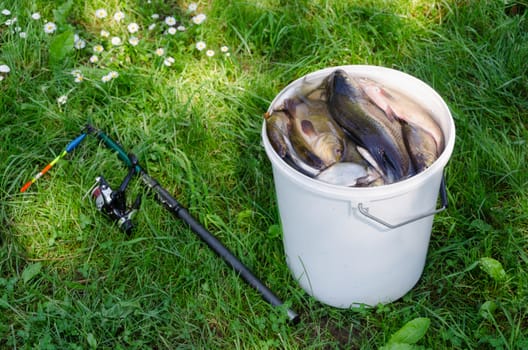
[335, 243]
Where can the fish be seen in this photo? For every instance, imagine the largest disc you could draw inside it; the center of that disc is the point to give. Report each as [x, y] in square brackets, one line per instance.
[349, 174]
[352, 153]
[421, 146]
[310, 88]
[399, 106]
[314, 134]
[368, 125]
[278, 128]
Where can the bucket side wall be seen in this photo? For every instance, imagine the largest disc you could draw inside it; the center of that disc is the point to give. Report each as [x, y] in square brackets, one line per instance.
[340, 256]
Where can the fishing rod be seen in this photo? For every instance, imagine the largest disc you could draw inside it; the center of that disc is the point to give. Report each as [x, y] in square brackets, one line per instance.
[122, 214]
[113, 204]
[70, 147]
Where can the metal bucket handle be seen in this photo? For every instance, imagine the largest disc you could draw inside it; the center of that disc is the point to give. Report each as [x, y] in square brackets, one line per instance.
[443, 198]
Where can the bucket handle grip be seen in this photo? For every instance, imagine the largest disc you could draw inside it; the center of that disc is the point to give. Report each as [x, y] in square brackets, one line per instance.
[443, 198]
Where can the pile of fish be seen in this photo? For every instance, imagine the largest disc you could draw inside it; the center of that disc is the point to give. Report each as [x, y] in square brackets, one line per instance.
[353, 131]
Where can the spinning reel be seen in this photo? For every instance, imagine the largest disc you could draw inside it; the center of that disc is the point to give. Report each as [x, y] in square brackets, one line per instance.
[113, 203]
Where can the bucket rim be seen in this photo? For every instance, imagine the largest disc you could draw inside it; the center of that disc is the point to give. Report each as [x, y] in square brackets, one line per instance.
[383, 190]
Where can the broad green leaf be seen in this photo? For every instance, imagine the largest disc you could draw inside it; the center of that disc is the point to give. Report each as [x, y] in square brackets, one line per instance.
[493, 268]
[31, 271]
[274, 231]
[60, 46]
[61, 13]
[486, 310]
[92, 342]
[411, 332]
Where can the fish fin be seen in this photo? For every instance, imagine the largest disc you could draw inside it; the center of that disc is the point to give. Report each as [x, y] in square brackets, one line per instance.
[391, 114]
[388, 111]
[290, 105]
[308, 128]
[385, 93]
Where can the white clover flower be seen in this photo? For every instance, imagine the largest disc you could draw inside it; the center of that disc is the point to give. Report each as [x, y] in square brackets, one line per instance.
[193, 6]
[1, 77]
[200, 45]
[181, 28]
[105, 33]
[94, 59]
[23, 35]
[152, 26]
[224, 49]
[11, 21]
[119, 15]
[4, 68]
[50, 28]
[227, 54]
[106, 78]
[98, 48]
[160, 51]
[210, 53]
[168, 61]
[171, 30]
[101, 13]
[133, 27]
[170, 21]
[155, 16]
[133, 41]
[116, 41]
[62, 100]
[79, 44]
[198, 19]
[35, 16]
[113, 74]
[79, 77]
[6, 12]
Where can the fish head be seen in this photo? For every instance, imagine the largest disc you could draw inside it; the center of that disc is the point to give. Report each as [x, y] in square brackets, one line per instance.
[329, 148]
[341, 83]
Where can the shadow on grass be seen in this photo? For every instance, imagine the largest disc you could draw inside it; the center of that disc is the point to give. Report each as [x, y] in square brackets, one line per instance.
[474, 56]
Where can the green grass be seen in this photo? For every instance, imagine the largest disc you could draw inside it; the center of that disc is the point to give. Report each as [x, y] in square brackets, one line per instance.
[69, 279]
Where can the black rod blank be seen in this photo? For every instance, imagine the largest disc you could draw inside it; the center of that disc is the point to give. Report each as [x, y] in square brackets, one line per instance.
[165, 198]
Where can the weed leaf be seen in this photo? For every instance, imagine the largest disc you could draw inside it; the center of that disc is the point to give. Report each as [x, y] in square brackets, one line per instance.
[31, 271]
[274, 231]
[487, 309]
[62, 12]
[92, 342]
[493, 268]
[411, 332]
[60, 46]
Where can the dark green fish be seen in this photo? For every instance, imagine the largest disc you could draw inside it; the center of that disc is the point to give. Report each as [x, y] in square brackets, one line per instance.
[421, 145]
[368, 125]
